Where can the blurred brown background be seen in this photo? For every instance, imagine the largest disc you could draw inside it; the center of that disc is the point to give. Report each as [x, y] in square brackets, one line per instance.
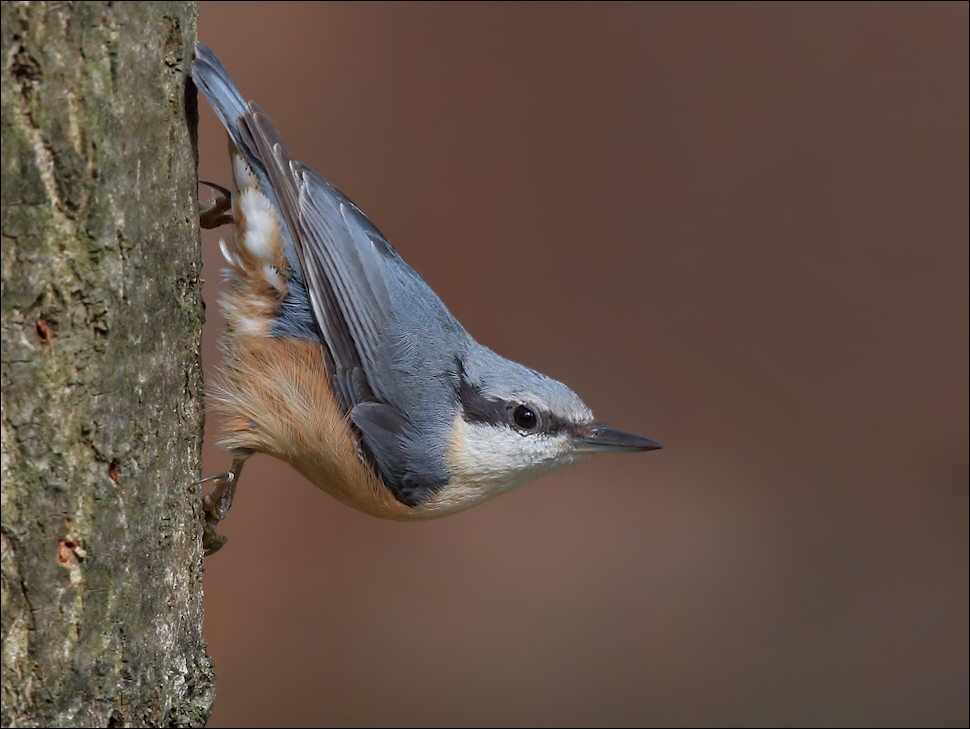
[741, 230]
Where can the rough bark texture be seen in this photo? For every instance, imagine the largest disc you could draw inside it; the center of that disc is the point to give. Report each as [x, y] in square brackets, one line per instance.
[102, 381]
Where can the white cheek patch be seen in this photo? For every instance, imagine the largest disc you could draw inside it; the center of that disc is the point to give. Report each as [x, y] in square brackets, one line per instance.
[485, 460]
[492, 454]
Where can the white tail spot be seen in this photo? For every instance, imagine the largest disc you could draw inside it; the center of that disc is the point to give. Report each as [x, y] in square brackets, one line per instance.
[272, 275]
[242, 175]
[262, 227]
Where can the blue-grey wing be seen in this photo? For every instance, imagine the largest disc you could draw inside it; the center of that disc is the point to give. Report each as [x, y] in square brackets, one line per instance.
[341, 268]
[390, 341]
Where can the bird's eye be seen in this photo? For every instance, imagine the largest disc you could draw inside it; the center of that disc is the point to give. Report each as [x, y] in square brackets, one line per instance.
[525, 418]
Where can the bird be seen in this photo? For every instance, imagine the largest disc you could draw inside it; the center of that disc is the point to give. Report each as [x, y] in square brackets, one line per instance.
[339, 359]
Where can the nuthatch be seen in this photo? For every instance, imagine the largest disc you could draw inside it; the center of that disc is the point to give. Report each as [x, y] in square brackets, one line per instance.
[340, 360]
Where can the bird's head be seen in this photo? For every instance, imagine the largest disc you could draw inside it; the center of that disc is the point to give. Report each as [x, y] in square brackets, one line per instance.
[514, 425]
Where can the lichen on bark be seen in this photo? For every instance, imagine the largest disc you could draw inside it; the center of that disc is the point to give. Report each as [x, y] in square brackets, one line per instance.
[102, 408]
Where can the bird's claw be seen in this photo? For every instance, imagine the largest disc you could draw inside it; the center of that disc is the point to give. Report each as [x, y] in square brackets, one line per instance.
[219, 211]
[215, 507]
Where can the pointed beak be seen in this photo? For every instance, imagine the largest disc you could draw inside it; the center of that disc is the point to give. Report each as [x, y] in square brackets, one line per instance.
[606, 440]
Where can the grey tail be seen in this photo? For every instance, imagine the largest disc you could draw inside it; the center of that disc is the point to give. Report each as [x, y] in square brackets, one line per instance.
[223, 96]
[214, 82]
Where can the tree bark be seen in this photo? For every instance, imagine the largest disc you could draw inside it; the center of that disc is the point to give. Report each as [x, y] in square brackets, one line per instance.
[102, 381]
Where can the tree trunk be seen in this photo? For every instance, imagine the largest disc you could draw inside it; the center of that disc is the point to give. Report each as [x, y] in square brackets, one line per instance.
[102, 380]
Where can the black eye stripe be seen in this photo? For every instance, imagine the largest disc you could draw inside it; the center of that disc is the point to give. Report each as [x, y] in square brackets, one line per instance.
[476, 408]
[554, 425]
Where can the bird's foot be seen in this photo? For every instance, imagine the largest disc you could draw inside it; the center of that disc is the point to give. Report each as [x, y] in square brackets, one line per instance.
[215, 507]
[216, 503]
[219, 211]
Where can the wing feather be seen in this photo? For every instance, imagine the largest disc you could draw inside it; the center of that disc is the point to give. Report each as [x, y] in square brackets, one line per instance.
[342, 269]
